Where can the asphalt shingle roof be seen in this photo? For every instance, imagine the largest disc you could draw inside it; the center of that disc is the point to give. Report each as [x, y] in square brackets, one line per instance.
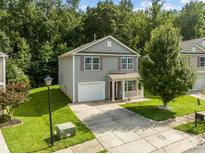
[188, 43]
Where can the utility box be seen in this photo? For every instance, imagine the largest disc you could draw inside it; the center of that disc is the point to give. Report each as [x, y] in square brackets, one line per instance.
[65, 130]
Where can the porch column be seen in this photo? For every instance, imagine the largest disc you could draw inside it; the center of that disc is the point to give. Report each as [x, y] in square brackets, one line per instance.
[123, 90]
[113, 91]
[142, 89]
[137, 88]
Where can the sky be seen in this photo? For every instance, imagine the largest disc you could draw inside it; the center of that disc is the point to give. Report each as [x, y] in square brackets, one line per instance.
[140, 4]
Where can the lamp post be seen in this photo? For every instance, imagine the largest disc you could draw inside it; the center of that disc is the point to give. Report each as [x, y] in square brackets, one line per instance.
[48, 81]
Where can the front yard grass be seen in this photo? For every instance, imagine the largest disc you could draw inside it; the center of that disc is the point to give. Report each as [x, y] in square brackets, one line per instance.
[182, 105]
[33, 135]
[190, 128]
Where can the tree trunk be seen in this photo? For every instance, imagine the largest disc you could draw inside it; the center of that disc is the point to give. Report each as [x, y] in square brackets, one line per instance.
[165, 106]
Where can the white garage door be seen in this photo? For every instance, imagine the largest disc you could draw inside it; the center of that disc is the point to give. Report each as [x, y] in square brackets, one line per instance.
[199, 84]
[91, 91]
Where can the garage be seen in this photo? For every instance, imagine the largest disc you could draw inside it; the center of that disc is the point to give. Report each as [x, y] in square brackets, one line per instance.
[199, 84]
[91, 91]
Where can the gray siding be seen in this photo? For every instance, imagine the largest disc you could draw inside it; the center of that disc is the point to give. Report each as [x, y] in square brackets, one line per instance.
[110, 64]
[194, 62]
[102, 48]
[66, 75]
[1, 70]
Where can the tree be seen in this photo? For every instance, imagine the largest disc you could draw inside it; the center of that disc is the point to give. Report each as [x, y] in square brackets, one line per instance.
[155, 12]
[164, 72]
[101, 20]
[15, 94]
[191, 20]
[126, 5]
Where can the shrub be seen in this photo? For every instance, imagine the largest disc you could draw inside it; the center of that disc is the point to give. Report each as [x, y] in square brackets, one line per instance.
[14, 95]
[15, 74]
[4, 118]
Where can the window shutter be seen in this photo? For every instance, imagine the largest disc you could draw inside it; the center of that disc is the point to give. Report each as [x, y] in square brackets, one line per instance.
[198, 61]
[119, 63]
[82, 63]
[101, 63]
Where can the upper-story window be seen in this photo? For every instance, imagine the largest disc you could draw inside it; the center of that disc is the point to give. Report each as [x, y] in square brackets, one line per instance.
[92, 63]
[127, 63]
[202, 61]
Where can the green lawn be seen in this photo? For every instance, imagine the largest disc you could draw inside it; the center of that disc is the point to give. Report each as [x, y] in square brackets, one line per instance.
[190, 128]
[33, 134]
[181, 106]
[148, 95]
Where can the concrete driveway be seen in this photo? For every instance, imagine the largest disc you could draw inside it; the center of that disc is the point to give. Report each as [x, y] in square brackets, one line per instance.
[120, 130]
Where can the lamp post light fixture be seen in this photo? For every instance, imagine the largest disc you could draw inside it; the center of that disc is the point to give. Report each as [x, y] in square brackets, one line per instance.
[48, 81]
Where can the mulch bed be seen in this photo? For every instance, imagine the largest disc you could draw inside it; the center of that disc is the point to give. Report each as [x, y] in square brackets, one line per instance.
[10, 123]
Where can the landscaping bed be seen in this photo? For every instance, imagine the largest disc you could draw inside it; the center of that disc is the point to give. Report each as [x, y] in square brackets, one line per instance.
[10, 123]
[190, 128]
[34, 135]
[182, 105]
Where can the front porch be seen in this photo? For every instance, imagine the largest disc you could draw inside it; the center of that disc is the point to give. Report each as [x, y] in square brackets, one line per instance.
[124, 86]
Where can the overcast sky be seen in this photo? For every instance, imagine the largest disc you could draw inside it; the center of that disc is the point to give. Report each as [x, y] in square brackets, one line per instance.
[140, 4]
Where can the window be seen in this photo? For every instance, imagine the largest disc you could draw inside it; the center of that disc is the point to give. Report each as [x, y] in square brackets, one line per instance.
[129, 85]
[203, 43]
[127, 63]
[193, 49]
[109, 44]
[92, 63]
[202, 61]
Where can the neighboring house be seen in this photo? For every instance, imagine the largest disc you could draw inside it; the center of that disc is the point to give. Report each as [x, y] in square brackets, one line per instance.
[102, 69]
[2, 70]
[2, 73]
[195, 52]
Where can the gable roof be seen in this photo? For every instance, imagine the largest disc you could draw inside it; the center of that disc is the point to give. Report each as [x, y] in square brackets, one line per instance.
[202, 50]
[189, 43]
[87, 45]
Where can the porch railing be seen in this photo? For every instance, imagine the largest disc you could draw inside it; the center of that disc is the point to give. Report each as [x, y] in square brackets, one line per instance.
[134, 94]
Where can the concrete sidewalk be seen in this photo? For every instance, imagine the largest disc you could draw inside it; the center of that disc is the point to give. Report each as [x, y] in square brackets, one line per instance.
[92, 146]
[3, 145]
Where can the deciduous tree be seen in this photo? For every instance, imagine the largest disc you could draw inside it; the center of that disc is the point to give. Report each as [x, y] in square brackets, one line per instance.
[164, 72]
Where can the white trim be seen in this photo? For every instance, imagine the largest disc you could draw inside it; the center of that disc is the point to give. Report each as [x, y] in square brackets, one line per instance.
[201, 72]
[113, 91]
[91, 70]
[191, 47]
[59, 72]
[105, 54]
[123, 90]
[91, 82]
[74, 79]
[4, 72]
[200, 76]
[127, 63]
[98, 41]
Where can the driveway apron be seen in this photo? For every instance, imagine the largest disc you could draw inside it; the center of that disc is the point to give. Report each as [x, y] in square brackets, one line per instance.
[120, 130]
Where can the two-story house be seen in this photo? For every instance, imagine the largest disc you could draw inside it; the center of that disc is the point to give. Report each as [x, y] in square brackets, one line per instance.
[195, 52]
[104, 69]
